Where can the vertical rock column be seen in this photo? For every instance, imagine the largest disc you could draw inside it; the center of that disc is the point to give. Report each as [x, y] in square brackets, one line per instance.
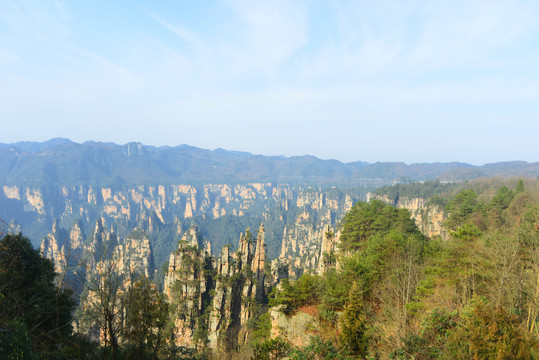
[327, 250]
[258, 264]
[186, 286]
[220, 311]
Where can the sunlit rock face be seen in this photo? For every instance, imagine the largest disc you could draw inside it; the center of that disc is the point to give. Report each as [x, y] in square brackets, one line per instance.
[429, 218]
[214, 295]
[214, 298]
[295, 215]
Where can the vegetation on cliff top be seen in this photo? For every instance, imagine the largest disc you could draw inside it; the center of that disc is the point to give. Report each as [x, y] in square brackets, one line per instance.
[395, 294]
[422, 190]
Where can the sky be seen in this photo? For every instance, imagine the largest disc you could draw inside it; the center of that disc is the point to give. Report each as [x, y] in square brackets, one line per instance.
[411, 81]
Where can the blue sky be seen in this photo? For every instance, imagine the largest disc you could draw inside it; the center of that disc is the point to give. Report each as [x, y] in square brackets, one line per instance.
[412, 81]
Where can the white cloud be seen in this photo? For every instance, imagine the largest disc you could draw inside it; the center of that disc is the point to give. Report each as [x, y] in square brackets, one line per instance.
[392, 69]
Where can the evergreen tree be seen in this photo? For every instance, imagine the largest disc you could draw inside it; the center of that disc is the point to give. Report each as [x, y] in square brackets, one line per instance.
[35, 316]
[353, 323]
[520, 187]
[146, 316]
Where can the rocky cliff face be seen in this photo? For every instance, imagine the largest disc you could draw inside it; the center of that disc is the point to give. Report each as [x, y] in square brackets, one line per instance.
[62, 246]
[298, 328]
[188, 283]
[295, 216]
[309, 244]
[134, 204]
[135, 254]
[213, 299]
[429, 218]
[107, 266]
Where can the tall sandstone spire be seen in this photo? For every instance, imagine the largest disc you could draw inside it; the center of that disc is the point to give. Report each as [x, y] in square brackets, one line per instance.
[258, 263]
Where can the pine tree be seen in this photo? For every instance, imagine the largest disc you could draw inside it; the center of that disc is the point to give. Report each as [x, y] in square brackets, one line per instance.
[353, 322]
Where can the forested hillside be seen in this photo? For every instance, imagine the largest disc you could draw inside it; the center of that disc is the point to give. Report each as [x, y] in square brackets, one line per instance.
[66, 163]
[266, 180]
[421, 271]
[396, 294]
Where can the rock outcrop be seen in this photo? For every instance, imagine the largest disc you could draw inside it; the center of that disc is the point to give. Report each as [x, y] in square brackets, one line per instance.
[108, 267]
[62, 246]
[53, 246]
[307, 247]
[188, 282]
[122, 208]
[429, 218]
[296, 329]
[215, 298]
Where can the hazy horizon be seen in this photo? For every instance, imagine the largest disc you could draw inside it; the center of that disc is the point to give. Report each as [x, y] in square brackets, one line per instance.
[354, 81]
[259, 154]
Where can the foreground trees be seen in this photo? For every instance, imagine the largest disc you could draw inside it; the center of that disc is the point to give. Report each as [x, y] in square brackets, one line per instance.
[395, 294]
[146, 317]
[35, 315]
[368, 295]
[391, 293]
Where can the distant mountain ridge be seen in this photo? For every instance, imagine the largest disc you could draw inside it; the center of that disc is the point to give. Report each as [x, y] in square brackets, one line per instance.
[61, 161]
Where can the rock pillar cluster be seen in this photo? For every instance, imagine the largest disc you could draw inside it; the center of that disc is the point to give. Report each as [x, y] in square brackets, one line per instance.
[215, 298]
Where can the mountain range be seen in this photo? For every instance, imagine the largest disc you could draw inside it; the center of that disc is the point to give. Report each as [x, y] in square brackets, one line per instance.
[61, 161]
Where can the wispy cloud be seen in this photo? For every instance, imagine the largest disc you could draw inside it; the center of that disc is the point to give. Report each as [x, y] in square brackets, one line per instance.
[203, 50]
[272, 31]
[301, 71]
[377, 39]
[262, 37]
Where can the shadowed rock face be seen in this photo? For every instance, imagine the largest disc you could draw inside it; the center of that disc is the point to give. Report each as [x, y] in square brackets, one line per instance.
[104, 266]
